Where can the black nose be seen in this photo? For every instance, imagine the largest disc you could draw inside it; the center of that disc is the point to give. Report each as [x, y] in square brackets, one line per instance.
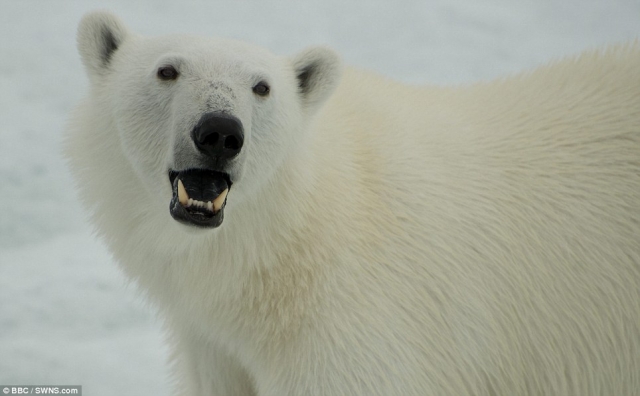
[219, 135]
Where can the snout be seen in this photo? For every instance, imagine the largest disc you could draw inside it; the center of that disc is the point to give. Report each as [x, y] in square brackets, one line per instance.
[200, 193]
[219, 136]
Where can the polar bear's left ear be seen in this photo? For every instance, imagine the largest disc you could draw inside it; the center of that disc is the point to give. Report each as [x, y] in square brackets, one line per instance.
[318, 71]
[100, 34]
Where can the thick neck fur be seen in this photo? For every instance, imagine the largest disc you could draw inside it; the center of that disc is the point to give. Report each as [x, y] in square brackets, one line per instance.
[240, 265]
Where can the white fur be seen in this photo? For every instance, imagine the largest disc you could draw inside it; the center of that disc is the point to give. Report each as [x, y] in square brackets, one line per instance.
[380, 239]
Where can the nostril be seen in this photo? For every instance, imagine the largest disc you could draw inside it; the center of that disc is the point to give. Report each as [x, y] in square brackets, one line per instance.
[211, 140]
[232, 143]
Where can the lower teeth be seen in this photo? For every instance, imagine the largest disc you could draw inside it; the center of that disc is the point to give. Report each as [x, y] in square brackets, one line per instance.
[198, 206]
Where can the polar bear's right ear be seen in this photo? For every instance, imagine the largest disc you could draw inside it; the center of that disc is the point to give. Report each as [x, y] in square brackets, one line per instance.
[100, 34]
[318, 71]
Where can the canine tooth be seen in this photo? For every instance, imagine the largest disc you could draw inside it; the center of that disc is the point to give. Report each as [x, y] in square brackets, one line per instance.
[210, 206]
[217, 203]
[190, 202]
[183, 197]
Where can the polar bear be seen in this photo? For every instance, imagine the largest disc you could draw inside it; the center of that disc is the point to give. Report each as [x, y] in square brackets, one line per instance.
[309, 229]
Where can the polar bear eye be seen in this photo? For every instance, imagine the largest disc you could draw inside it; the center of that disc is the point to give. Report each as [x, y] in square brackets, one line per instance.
[261, 89]
[167, 73]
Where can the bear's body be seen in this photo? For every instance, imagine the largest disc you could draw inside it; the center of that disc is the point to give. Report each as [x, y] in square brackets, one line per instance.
[387, 240]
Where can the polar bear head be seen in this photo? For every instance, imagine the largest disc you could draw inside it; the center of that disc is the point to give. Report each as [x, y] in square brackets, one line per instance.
[197, 117]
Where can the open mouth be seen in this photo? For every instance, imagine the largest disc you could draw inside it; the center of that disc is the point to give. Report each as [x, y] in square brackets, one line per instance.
[199, 196]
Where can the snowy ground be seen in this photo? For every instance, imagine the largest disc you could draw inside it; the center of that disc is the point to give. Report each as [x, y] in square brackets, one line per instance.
[66, 314]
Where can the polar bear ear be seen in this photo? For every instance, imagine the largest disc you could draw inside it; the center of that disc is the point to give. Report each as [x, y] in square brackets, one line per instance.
[100, 34]
[318, 71]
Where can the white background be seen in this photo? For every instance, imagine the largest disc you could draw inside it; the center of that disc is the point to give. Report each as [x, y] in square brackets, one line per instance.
[67, 315]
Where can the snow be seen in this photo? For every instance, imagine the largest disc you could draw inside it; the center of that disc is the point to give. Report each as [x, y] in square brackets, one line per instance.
[67, 315]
